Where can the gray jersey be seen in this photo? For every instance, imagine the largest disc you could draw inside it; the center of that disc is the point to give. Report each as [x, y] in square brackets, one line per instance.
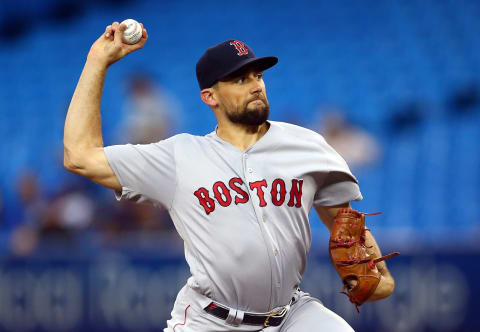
[242, 215]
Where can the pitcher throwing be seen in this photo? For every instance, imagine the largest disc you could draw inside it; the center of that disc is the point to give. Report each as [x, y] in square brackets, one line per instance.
[239, 197]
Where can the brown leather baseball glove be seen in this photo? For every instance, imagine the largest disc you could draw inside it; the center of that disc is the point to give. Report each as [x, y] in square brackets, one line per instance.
[350, 258]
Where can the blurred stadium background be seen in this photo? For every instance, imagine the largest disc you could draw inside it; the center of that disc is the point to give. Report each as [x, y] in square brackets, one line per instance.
[393, 84]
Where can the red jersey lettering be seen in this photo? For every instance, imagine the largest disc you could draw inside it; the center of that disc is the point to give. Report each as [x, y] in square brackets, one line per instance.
[278, 192]
[296, 193]
[235, 185]
[258, 186]
[220, 195]
[205, 200]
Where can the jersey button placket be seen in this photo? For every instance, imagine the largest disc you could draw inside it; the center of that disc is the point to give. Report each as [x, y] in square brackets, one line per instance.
[264, 218]
[276, 257]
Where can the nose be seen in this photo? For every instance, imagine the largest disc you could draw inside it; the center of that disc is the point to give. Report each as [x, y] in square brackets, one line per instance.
[256, 88]
[256, 85]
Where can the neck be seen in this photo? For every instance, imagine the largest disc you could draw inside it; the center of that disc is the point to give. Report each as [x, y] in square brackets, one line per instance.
[241, 136]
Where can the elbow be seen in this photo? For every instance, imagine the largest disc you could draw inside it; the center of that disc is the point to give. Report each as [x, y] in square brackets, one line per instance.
[70, 162]
[68, 165]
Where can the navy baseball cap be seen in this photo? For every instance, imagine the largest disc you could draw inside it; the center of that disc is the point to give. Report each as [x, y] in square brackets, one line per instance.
[226, 58]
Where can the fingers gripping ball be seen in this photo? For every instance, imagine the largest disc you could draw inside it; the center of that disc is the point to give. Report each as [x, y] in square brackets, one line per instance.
[133, 32]
[350, 257]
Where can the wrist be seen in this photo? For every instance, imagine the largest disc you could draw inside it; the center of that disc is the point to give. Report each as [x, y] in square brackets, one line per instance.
[96, 61]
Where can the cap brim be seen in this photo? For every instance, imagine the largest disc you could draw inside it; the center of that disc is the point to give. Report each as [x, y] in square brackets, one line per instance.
[260, 64]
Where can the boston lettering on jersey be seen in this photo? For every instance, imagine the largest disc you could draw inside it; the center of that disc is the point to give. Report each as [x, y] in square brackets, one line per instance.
[233, 193]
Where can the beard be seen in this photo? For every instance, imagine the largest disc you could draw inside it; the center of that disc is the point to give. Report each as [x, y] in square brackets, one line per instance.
[251, 115]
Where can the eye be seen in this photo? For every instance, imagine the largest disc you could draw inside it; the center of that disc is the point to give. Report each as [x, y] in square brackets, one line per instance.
[240, 80]
[259, 76]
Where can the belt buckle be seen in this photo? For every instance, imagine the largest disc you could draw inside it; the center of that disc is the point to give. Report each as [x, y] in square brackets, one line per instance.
[280, 313]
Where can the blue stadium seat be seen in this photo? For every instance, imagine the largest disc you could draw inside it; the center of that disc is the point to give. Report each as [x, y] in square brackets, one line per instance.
[365, 59]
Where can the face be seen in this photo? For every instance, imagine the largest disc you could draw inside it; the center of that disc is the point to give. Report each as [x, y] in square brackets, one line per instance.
[243, 99]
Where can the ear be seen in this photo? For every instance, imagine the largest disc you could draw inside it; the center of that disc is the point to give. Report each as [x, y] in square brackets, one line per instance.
[208, 97]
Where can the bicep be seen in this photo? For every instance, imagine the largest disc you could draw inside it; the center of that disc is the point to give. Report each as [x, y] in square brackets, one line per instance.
[328, 213]
[93, 164]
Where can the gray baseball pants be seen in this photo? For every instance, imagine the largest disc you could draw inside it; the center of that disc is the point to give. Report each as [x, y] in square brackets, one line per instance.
[306, 314]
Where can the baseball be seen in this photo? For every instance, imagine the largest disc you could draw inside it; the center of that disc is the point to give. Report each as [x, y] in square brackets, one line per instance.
[133, 33]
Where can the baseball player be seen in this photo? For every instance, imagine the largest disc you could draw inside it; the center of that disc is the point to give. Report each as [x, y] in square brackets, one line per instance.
[239, 197]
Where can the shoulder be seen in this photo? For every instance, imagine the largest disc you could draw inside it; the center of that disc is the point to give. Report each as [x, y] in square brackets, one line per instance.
[298, 132]
[185, 142]
[183, 138]
[303, 140]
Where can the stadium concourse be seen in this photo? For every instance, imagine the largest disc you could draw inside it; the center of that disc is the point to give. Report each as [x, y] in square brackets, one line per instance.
[405, 72]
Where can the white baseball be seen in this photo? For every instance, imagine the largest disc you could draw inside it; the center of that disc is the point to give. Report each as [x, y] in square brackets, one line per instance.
[133, 33]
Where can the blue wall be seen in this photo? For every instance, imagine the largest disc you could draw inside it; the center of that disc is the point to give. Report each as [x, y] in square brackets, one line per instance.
[115, 292]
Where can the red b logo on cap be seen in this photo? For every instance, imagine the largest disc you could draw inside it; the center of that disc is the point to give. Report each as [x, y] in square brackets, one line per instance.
[242, 50]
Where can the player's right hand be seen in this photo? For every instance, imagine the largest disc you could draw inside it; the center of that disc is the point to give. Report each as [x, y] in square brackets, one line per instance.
[110, 48]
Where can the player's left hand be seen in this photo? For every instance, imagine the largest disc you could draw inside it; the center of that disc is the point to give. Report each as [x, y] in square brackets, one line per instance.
[353, 251]
[385, 277]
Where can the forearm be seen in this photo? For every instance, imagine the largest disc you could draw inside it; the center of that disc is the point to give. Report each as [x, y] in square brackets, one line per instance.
[83, 128]
[387, 283]
[82, 139]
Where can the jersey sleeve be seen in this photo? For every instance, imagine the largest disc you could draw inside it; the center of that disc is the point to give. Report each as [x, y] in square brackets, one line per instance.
[337, 185]
[146, 172]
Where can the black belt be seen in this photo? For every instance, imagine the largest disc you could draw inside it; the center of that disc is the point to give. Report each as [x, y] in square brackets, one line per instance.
[274, 318]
